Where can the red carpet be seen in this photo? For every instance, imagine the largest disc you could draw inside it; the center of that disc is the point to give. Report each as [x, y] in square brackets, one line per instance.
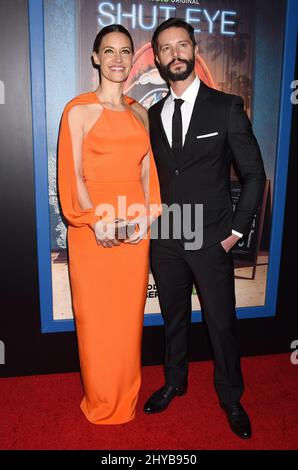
[42, 412]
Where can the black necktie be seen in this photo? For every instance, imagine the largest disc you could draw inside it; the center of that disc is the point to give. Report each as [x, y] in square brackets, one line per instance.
[177, 128]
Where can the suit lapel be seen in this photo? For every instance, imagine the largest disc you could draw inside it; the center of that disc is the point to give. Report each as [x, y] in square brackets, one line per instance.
[199, 111]
[160, 124]
[169, 153]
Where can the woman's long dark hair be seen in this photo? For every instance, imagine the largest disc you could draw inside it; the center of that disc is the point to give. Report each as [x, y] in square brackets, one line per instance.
[113, 28]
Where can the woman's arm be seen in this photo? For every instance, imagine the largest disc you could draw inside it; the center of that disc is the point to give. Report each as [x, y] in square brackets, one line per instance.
[142, 115]
[76, 121]
[104, 232]
[149, 182]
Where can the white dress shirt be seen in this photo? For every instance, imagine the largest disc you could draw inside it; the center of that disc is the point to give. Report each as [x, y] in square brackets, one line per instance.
[189, 97]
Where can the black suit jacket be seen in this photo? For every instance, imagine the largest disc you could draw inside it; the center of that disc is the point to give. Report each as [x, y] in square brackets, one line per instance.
[201, 175]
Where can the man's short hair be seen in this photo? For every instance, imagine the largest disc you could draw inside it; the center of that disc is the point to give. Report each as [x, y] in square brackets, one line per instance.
[171, 23]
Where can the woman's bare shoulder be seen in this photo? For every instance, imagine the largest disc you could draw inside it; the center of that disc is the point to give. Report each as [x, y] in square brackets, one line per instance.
[141, 111]
[81, 103]
[82, 107]
[138, 107]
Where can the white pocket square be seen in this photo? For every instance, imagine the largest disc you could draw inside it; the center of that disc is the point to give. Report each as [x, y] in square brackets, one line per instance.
[203, 136]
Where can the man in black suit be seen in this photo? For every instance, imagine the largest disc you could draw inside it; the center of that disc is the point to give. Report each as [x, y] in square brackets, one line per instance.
[196, 132]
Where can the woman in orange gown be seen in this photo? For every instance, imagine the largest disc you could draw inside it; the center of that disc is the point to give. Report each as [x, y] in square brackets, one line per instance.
[106, 171]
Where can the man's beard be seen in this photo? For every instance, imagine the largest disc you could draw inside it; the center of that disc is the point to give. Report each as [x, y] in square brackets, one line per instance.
[168, 75]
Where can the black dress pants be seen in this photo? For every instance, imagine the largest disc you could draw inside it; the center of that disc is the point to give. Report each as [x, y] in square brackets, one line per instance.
[211, 269]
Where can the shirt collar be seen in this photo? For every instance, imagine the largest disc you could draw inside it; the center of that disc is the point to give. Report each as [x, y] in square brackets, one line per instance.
[190, 94]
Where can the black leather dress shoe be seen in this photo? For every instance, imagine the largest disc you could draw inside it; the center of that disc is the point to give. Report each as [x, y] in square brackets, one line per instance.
[161, 399]
[238, 420]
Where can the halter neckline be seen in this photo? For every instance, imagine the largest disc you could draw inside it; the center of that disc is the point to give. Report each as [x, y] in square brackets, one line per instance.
[113, 110]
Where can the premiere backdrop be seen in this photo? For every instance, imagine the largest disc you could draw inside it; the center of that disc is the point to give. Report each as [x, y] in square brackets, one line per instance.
[25, 268]
[235, 55]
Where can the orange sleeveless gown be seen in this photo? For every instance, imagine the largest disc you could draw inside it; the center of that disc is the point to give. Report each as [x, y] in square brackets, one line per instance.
[108, 285]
